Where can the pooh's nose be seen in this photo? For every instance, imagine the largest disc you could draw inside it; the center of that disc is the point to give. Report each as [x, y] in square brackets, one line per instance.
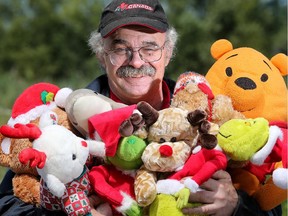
[245, 83]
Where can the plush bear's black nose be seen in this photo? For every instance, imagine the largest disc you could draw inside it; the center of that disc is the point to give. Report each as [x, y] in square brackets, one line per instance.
[245, 83]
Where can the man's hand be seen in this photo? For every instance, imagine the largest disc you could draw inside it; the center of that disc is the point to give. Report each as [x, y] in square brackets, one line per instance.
[219, 196]
[94, 202]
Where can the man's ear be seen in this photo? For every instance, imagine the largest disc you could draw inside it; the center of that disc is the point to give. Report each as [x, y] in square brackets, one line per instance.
[168, 56]
[101, 60]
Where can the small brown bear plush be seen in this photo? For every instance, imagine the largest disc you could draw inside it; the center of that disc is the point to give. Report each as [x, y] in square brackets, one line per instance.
[193, 92]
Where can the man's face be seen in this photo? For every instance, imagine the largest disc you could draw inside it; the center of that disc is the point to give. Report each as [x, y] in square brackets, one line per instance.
[135, 76]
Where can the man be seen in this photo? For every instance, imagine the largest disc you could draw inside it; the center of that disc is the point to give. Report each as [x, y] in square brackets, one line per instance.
[134, 44]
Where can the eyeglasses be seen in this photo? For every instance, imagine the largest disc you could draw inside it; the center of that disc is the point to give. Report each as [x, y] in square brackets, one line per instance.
[123, 56]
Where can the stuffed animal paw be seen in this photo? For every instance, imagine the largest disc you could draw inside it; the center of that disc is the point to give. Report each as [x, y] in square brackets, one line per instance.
[182, 198]
[134, 210]
[55, 185]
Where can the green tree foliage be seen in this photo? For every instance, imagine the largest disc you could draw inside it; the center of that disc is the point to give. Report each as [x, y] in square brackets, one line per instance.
[258, 24]
[47, 38]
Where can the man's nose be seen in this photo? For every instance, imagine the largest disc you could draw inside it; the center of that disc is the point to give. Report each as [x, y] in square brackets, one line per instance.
[136, 60]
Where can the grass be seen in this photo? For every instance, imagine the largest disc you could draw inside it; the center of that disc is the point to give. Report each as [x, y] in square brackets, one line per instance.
[2, 172]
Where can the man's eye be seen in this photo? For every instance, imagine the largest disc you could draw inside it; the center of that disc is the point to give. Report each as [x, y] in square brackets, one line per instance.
[120, 51]
[148, 50]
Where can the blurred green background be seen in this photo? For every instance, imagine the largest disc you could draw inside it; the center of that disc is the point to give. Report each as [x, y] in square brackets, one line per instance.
[47, 40]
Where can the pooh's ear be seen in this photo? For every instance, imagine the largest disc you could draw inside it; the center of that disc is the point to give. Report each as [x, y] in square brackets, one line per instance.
[220, 47]
[280, 61]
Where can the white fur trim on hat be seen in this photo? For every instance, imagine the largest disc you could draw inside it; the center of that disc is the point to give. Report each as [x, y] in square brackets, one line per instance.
[280, 178]
[259, 157]
[31, 114]
[126, 202]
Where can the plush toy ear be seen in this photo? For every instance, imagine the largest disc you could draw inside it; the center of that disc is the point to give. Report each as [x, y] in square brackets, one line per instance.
[220, 47]
[196, 117]
[280, 61]
[208, 141]
[129, 126]
[149, 114]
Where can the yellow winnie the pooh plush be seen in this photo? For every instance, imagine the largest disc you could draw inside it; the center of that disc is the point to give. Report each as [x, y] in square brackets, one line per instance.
[256, 87]
[253, 82]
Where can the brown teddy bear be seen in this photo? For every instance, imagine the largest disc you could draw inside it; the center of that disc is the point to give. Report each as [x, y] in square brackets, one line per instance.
[27, 108]
[192, 91]
[256, 87]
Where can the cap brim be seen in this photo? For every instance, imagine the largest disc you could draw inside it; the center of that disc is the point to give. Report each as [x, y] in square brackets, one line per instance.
[155, 25]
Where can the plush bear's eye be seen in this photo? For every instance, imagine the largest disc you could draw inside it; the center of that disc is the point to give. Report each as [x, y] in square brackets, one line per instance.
[162, 140]
[73, 156]
[173, 139]
[229, 71]
[264, 77]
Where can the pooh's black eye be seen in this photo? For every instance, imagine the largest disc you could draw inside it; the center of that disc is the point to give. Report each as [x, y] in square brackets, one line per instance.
[162, 140]
[229, 71]
[73, 156]
[264, 77]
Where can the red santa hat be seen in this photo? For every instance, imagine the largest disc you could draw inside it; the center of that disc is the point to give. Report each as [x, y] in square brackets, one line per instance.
[35, 100]
[107, 125]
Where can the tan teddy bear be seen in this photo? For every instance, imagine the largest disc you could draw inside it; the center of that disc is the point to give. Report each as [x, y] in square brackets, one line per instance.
[27, 108]
[192, 91]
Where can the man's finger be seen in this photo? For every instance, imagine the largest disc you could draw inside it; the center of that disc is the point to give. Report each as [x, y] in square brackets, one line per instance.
[201, 197]
[94, 200]
[204, 209]
[221, 175]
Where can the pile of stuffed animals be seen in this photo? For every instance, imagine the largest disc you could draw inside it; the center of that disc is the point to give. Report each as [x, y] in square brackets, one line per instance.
[233, 118]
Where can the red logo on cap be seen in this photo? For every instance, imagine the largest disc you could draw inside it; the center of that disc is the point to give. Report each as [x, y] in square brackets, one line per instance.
[123, 6]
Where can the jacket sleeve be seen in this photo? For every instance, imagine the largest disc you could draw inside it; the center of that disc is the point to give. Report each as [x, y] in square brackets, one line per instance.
[11, 205]
[248, 206]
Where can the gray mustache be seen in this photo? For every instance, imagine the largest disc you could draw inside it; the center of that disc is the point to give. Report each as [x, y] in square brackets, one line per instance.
[128, 71]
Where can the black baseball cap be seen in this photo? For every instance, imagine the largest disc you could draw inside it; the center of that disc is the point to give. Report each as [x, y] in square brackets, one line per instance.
[119, 13]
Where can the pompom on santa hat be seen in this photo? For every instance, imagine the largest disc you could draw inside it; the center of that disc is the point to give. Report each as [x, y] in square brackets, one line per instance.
[36, 100]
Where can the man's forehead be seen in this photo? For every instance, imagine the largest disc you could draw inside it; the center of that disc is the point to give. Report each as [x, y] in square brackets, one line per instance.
[135, 34]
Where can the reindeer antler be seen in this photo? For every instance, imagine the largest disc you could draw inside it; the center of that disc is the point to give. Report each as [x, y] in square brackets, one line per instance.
[29, 131]
[35, 157]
